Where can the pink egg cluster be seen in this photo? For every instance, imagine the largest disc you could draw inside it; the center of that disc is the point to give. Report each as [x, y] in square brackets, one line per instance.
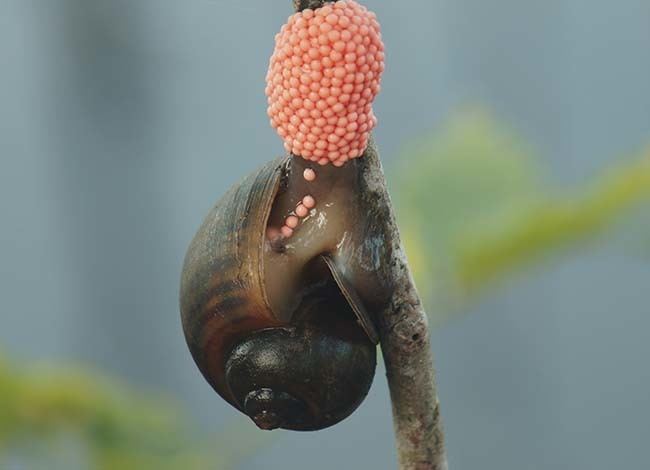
[323, 76]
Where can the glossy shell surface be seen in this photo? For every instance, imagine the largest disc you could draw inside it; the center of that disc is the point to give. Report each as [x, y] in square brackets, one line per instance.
[222, 296]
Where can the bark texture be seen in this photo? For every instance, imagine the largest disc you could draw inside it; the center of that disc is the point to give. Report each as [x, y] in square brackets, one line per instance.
[404, 339]
[300, 5]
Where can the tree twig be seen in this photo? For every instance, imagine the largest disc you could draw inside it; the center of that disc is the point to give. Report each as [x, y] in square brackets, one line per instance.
[404, 338]
[404, 334]
[300, 5]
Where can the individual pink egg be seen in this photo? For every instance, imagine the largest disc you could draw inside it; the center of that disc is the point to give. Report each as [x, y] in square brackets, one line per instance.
[301, 211]
[291, 221]
[286, 231]
[309, 174]
[309, 202]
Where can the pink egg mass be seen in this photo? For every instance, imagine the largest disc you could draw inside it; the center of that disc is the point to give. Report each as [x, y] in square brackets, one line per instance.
[323, 77]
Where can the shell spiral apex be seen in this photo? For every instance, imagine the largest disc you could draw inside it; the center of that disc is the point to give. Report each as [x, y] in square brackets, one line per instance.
[323, 76]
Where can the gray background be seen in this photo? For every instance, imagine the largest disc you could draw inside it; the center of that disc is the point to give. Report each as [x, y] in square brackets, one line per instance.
[123, 121]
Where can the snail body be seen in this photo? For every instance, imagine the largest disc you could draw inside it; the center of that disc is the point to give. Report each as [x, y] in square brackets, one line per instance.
[282, 333]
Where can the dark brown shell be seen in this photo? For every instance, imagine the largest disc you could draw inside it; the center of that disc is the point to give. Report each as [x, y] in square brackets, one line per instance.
[224, 305]
[222, 296]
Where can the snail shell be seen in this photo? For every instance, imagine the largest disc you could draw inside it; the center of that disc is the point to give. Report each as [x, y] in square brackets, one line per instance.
[284, 335]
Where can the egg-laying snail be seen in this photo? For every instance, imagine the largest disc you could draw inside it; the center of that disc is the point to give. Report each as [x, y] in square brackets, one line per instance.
[280, 282]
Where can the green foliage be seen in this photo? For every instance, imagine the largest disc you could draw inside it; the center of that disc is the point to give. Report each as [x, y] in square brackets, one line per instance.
[478, 208]
[115, 427]
[554, 223]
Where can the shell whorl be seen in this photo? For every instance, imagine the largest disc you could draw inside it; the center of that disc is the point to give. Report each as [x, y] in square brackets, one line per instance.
[222, 288]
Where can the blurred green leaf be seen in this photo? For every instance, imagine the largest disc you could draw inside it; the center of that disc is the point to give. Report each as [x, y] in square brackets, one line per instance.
[553, 223]
[479, 207]
[118, 428]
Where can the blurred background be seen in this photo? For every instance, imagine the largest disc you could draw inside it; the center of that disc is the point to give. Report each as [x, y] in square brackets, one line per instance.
[514, 135]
